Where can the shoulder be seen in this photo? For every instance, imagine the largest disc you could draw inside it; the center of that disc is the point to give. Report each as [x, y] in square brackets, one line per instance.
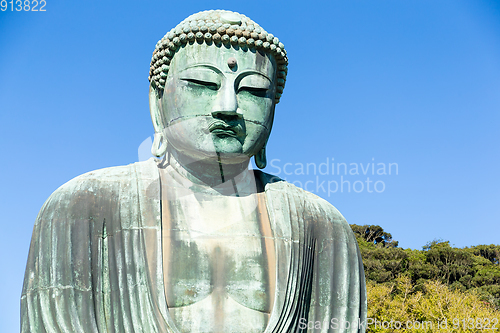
[310, 202]
[93, 189]
[109, 178]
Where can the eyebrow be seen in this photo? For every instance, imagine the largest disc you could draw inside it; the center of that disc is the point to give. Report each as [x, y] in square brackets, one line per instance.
[210, 66]
[217, 70]
[253, 71]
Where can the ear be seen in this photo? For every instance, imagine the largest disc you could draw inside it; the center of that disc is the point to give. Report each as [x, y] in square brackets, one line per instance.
[260, 158]
[155, 108]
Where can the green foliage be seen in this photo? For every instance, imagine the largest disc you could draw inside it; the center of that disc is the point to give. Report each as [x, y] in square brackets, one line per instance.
[452, 264]
[490, 252]
[383, 264]
[473, 270]
[422, 310]
[435, 244]
[374, 234]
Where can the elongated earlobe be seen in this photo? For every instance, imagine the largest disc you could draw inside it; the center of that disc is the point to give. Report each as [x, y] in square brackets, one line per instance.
[260, 158]
[159, 146]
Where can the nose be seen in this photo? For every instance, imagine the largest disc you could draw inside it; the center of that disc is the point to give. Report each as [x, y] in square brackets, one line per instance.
[226, 103]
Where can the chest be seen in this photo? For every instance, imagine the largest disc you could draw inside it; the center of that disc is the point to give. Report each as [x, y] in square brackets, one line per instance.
[218, 247]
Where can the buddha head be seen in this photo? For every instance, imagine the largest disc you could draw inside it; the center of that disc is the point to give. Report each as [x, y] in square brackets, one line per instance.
[215, 80]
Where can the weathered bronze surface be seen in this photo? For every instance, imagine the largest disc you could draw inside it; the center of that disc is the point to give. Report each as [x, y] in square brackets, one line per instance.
[196, 242]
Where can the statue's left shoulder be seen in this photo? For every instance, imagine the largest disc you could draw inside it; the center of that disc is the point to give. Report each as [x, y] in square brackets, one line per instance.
[316, 208]
[326, 223]
[323, 212]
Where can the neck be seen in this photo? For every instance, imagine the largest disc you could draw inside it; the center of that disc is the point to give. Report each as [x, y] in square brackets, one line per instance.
[211, 171]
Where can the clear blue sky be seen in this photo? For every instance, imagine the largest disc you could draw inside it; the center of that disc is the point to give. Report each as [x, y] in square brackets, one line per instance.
[411, 82]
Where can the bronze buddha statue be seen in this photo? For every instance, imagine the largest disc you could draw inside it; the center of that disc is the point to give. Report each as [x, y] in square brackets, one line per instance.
[194, 241]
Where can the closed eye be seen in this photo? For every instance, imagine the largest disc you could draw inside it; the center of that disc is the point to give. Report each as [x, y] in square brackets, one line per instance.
[259, 92]
[200, 83]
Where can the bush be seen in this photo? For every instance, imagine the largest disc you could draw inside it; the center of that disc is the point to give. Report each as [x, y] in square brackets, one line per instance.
[422, 311]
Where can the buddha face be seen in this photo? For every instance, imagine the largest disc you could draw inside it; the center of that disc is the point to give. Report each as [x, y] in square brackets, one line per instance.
[217, 101]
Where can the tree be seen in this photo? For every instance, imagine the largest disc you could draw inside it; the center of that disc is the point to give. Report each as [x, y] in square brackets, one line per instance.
[374, 234]
[490, 252]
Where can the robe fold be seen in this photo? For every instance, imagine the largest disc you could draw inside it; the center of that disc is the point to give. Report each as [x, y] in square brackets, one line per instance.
[95, 260]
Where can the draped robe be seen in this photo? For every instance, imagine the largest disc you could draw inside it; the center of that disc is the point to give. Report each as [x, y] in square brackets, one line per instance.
[95, 260]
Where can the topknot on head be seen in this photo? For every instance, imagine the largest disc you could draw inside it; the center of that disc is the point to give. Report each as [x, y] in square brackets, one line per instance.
[219, 27]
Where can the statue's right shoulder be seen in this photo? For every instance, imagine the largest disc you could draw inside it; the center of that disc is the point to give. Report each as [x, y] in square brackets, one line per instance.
[100, 187]
[109, 177]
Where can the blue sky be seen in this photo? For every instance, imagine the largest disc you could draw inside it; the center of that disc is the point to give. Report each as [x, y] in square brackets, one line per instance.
[415, 83]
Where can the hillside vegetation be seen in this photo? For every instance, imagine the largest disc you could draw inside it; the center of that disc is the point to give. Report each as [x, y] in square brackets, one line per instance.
[438, 288]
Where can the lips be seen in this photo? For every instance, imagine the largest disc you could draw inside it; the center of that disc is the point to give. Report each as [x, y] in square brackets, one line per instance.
[220, 128]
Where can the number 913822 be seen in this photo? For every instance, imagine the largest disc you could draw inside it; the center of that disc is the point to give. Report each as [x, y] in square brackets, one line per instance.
[23, 6]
